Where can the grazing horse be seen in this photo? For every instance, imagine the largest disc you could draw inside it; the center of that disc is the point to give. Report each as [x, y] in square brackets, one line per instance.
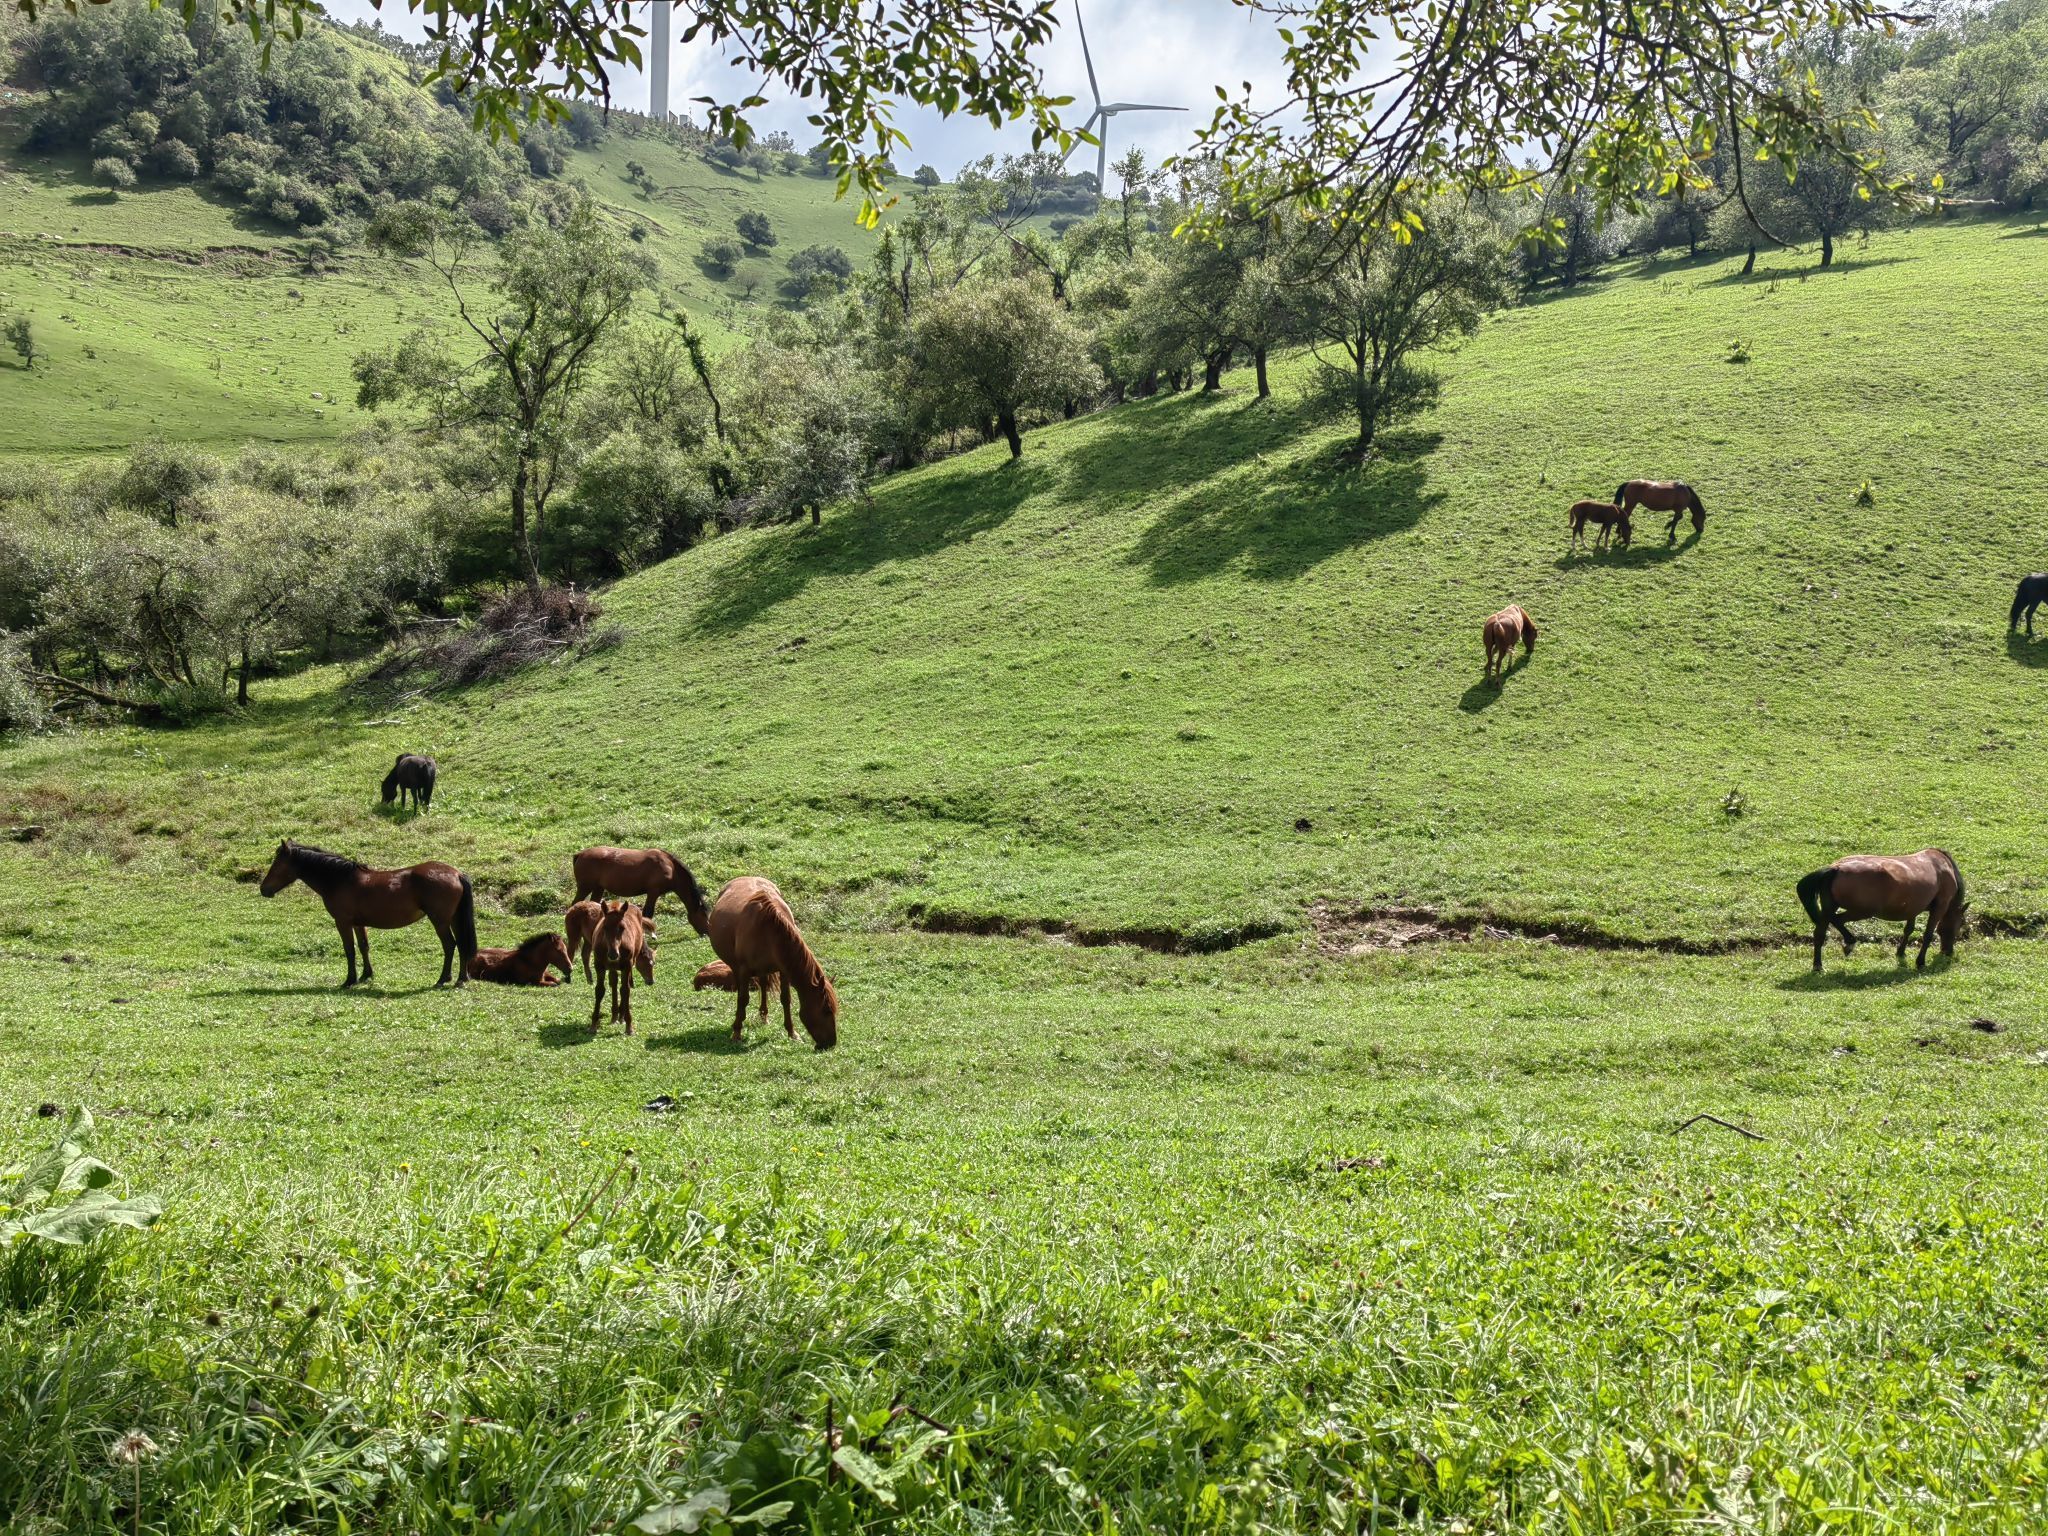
[1867, 885]
[620, 945]
[718, 974]
[527, 966]
[359, 898]
[1610, 517]
[412, 774]
[1673, 496]
[645, 872]
[753, 932]
[1502, 631]
[2032, 594]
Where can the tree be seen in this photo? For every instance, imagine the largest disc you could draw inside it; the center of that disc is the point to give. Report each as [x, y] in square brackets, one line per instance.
[722, 257]
[927, 176]
[989, 351]
[1825, 197]
[755, 230]
[1382, 299]
[113, 173]
[560, 293]
[21, 337]
[1471, 85]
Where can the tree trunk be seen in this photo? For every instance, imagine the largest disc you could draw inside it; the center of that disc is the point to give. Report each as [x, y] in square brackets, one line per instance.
[1827, 249]
[1259, 363]
[1070, 410]
[1008, 422]
[1749, 265]
[816, 521]
[521, 539]
[242, 675]
[1212, 371]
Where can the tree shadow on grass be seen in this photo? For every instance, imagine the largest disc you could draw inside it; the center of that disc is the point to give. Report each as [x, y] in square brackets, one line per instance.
[906, 523]
[1738, 278]
[1277, 523]
[2038, 232]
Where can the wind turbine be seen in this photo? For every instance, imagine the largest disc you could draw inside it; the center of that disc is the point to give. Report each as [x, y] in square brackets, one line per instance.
[1104, 111]
[657, 62]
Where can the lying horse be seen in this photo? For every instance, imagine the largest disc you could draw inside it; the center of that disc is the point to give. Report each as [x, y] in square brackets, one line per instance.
[359, 899]
[1866, 885]
[414, 775]
[645, 872]
[718, 974]
[1673, 496]
[2032, 594]
[1501, 633]
[753, 932]
[620, 948]
[1610, 517]
[527, 966]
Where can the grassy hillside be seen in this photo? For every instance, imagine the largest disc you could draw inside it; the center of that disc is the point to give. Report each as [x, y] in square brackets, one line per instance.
[168, 312]
[1338, 1228]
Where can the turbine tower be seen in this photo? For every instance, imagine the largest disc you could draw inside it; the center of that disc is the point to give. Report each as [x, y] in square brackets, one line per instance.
[657, 63]
[1104, 111]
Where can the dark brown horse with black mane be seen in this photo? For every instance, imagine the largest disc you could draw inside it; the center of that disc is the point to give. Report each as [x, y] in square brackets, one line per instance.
[1673, 496]
[1898, 889]
[645, 872]
[413, 774]
[527, 966]
[753, 932]
[359, 898]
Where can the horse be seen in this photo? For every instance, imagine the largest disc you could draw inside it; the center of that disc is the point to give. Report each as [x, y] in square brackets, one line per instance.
[752, 931]
[1501, 632]
[2032, 594]
[1673, 496]
[718, 974]
[645, 872]
[1867, 885]
[1609, 516]
[620, 945]
[579, 926]
[412, 774]
[527, 966]
[359, 898]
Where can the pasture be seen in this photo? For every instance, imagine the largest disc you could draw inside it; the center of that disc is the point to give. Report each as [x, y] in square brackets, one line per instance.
[1172, 1159]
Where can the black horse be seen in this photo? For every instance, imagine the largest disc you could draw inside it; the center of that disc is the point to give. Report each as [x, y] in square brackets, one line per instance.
[412, 774]
[2032, 594]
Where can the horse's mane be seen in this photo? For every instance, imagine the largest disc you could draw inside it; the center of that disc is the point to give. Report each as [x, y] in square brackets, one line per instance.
[806, 973]
[528, 946]
[320, 861]
[686, 885]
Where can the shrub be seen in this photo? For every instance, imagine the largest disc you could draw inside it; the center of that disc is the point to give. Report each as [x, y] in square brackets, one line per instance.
[112, 172]
[722, 257]
[21, 707]
[755, 230]
[163, 480]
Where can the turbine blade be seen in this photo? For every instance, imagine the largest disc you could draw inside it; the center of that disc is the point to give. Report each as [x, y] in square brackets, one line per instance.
[1086, 57]
[1139, 106]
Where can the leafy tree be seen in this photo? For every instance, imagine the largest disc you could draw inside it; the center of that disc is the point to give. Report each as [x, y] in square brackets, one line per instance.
[820, 268]
[755, 230]
[113, 172]
[927, 176]
[21, 337]
[722, 257]
[987, 352]
[632, 502]
[1381, 299]
[560, 293]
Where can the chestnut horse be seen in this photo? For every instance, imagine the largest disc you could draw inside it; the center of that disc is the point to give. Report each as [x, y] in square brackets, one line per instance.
[1868, 885]
[1673, 496]
[411, 774]
[579, 925]
[645, 872]
[753, 932]
[359, 899]
[1501, 632]
[526, 966]
[620, 947]
[718, 974]
[1609, 516]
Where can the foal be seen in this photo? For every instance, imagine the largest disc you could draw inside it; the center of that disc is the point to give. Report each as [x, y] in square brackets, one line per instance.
[1609, 516]
[1501, 632]
[527, 966]
[718, 974]
[620, 949]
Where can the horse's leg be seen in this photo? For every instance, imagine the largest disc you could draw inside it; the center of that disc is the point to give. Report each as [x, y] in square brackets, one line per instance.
[596, 999]
[739, 1019]
[348, 947]
[1671, 528]
[1848, 938]
[647, 909]
[1907, 937]
[1926, 934]
[363, 943]
[2030, 617]
[788, 1026]
[626, 995]
[445, 931]
[764, 1002]
[1820, 942]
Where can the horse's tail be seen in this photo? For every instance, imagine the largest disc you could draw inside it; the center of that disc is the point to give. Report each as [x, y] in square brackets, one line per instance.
[1815, 887]
[465, 921]
[1621, 493]
[427, 789]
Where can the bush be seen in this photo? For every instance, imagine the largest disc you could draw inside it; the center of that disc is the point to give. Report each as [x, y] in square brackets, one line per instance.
[174, 158]
[112, 172]
[163, 480]
[633, 502]
[21, 707]
[755, 230]
[513, 632]
[722, 257]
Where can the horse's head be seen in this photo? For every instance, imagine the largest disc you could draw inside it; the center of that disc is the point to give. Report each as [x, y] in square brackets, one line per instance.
[818, 1007]
[281, 872]
[556, 951]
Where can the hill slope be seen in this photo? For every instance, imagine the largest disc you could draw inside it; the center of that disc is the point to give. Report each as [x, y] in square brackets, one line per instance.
[1101, 687]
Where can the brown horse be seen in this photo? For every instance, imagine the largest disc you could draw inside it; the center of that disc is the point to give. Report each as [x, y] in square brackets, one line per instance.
[359, 899]
[718, 974]
[753, 932]
[579, 926]
[1868, 885]
[1673, 496]
[527, 966]
[1502, 632]
[645, 872]
[620, 946]
[1610, 517]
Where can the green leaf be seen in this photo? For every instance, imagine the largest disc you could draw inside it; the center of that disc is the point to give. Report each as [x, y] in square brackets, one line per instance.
[79, 1221]
[866, 1471]
[686, 1517]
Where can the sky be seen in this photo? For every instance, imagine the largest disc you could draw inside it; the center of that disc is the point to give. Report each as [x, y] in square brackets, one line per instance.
[1173, 52]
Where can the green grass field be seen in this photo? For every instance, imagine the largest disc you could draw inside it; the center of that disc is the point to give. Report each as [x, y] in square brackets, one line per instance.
[1294, 1228]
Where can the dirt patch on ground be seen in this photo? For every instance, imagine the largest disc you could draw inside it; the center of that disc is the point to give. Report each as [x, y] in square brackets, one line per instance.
[1382, 930]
